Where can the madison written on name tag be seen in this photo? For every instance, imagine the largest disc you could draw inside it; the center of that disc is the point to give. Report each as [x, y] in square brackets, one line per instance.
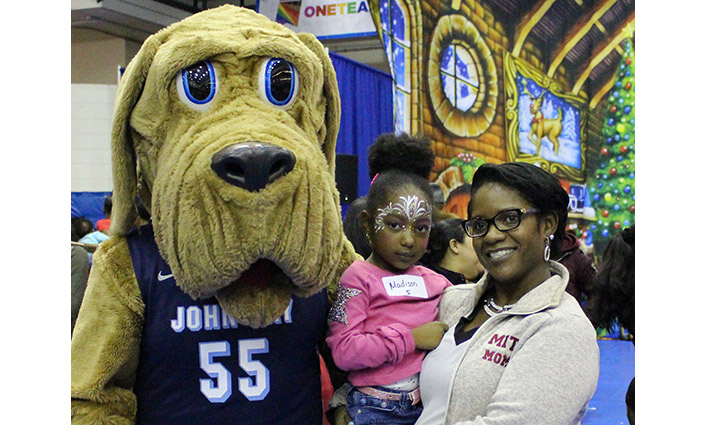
[405, 285]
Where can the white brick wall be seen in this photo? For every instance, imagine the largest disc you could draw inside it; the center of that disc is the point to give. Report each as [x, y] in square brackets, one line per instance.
[91, 119]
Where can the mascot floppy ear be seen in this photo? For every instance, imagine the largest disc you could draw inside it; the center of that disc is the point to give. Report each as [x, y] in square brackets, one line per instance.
[330, 130]
[123, 156]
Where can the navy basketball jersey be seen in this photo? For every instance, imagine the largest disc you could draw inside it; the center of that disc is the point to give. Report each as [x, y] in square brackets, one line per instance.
[198, 365]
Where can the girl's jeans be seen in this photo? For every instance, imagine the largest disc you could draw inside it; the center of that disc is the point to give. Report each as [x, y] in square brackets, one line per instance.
[365, 409]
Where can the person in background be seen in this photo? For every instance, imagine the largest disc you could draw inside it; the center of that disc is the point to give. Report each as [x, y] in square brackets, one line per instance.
[80, 227]
[103, 225]
[84, 236]
[519, 349]
[582, 271]
[79, 277]
[437, 196]
[450, 252]
[88, 237]
[80, 264]
[383, 320]
[354, 230]
[615, 298]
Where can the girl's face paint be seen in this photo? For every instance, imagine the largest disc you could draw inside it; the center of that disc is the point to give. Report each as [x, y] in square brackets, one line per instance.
[410, 207]
[401, 230]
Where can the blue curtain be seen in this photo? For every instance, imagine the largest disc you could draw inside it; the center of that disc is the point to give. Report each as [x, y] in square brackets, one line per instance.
[366, 111]
[88, 204]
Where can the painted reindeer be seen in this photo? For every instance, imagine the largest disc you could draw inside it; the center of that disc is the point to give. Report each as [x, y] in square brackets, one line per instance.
[541, 126]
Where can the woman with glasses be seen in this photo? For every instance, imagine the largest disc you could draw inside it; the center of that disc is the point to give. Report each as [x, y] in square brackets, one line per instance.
[519, 349]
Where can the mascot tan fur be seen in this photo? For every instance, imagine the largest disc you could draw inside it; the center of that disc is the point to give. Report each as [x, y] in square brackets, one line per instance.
[225, 124]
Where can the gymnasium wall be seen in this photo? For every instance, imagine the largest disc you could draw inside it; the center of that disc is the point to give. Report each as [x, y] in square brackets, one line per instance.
[91, 117]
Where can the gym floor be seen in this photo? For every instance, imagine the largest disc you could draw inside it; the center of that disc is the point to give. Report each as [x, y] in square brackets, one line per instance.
[617, 368]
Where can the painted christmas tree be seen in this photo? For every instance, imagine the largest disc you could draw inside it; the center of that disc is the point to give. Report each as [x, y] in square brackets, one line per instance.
[612, 187]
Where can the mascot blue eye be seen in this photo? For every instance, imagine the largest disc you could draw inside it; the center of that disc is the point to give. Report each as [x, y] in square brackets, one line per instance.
[279, 82]
[197, 85]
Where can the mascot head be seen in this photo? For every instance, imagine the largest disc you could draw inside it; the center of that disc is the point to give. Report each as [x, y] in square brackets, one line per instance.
[225, 124]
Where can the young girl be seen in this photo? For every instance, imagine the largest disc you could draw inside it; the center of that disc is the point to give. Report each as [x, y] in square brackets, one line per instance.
[383, 319]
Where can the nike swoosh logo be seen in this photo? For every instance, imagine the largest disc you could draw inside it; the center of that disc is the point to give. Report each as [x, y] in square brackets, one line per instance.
[162, 277]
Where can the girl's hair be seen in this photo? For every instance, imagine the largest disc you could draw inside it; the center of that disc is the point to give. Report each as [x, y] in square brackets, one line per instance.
[538, 187]
[615, 283]
[395, 161]
[403, 152]
[442, 232]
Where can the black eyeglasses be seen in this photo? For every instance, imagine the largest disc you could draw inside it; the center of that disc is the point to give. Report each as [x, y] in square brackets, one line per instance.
[504, 221]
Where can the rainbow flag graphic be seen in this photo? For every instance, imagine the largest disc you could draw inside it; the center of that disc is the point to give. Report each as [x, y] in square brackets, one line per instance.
[288, 12]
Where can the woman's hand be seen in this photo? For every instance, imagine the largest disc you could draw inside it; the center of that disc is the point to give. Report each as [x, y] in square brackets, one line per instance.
[341, 416]
[428, 336]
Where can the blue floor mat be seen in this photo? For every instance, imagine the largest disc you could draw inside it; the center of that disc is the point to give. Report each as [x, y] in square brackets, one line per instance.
[617, 368]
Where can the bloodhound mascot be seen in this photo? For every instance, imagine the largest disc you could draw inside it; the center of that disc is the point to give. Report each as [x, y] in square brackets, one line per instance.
[225, 127]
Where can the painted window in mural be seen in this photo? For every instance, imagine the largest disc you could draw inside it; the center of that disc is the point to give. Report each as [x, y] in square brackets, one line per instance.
[395, 26]
[460, 79]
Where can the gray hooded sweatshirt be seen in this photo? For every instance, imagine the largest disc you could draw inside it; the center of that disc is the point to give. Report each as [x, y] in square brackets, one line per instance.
[537, 363]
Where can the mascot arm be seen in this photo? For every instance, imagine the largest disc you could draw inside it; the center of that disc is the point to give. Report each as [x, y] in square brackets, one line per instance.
[106, 340]
[339, 378]
[348, 256]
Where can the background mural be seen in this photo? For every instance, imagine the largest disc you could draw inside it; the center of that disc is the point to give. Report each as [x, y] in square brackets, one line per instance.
[612, 185]
[544, 125]
[548, 82]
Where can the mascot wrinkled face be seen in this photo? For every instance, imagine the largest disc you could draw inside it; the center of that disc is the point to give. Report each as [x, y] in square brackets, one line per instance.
[226, 122]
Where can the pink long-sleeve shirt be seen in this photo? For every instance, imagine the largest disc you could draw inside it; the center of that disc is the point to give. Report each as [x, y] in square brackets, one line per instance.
[370, 325]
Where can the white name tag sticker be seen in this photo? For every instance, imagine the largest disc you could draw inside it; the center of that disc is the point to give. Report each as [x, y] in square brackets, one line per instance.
[405, 285]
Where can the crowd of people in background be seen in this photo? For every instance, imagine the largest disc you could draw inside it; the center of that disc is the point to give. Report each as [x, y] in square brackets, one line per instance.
[85, 239]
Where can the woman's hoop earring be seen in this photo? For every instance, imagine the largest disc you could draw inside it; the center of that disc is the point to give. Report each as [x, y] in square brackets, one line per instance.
[546, 253]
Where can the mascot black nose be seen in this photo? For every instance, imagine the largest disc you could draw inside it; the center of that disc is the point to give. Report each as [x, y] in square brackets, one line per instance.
[252, 165]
